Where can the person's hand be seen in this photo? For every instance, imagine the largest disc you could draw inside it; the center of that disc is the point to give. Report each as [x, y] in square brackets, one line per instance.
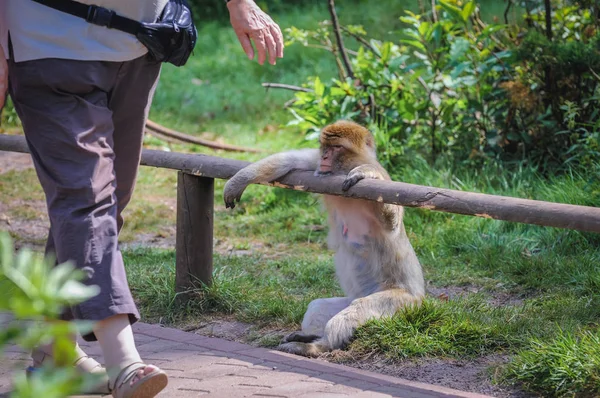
[3, 78]
[250, 23]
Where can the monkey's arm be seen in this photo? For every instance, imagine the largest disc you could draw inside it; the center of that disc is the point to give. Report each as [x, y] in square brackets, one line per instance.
[391, 214]
[267, 170]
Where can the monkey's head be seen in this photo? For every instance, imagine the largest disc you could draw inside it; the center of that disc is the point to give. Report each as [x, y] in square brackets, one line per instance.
[345, 145]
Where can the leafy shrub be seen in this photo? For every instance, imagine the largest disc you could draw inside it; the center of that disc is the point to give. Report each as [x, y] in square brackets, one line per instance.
[452, 85]
[34, 293]
[8, 115]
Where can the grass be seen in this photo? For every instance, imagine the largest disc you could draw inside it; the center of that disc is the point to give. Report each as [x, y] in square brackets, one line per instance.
[253, 288]
[566, 366]
[550, 275]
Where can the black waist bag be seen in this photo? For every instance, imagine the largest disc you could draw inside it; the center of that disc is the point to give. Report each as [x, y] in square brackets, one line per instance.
[170, 39]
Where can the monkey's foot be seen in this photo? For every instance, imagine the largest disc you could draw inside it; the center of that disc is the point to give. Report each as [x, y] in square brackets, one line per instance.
[304, 349]
[300, 337]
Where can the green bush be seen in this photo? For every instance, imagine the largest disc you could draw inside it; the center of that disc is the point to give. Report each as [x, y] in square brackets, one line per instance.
[452, 85]
[34, 292]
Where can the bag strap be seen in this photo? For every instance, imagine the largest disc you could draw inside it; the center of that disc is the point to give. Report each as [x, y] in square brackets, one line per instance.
[95, 15]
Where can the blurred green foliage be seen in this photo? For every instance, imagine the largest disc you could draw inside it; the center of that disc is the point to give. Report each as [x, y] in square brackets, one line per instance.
[33, 292]
[455, 87]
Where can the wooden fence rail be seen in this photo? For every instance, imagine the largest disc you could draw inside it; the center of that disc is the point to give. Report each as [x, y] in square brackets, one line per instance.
[196, 192]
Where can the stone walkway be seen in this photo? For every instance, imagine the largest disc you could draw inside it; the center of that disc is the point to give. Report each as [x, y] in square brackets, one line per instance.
[200, 366]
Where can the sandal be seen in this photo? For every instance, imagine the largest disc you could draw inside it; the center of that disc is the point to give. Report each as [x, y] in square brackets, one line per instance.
[146, 386]
[84, 364]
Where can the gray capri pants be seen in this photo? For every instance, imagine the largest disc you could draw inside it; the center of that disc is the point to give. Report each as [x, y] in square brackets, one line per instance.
[84, 124]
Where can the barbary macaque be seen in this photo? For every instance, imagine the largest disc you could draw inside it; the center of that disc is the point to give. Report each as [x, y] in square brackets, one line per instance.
[375, 263]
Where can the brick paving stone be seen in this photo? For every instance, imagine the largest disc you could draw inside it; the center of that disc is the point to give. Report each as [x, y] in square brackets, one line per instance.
[271, 366]
[193, 362]
[158, 346]
[218, 369]
[173, 354]
[245, 385]
[210, 367]
[360, 384]
[272, 378]
[371, 394]
[165, 333]
[17, 355]
[301, 387]
[270, 355]
[221, 345]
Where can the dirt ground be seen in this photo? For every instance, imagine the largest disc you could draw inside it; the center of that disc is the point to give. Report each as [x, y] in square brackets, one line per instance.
[473, 376]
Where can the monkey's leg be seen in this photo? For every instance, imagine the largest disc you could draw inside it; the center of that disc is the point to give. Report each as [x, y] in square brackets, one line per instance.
[340, 328]
[318, 313]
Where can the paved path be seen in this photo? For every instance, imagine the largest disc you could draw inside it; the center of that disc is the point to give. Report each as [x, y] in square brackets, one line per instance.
[200, 366]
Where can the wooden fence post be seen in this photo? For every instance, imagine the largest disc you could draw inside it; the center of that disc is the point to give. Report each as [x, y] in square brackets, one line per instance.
[194, 239]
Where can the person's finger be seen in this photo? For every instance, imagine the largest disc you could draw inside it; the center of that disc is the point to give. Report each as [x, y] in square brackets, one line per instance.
[271, 47]
[261, 46]
[246, 44]
[276, 32]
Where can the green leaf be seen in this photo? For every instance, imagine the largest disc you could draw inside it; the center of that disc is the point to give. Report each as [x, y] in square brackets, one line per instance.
[459, 48]
[468, 10]
[424, 28]
[453, 11]
[386, 49]
[414, 43]
[319, 87]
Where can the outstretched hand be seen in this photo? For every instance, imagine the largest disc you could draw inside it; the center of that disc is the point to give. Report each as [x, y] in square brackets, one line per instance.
[3, 78]
[250, 23]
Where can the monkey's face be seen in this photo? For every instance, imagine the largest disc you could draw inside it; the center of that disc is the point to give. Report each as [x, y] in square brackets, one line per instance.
[331, 159]
[344, 145]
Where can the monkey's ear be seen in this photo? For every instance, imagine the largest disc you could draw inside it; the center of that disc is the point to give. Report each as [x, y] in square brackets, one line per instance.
[370, 141]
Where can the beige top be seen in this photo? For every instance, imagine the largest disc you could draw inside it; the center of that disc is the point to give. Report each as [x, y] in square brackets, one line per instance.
[37, 31]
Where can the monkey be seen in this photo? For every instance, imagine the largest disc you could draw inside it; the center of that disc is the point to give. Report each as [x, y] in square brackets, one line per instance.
[375, 263]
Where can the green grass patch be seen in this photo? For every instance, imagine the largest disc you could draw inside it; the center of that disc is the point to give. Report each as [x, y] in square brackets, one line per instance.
[465, 328]
[567, 366]
[253, 289]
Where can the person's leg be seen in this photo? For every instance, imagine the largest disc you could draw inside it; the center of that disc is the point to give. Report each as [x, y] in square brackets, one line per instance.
[129, 101]
[63, 106]
[69, 128]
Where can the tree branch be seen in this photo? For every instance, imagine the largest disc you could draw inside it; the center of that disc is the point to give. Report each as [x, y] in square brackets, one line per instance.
[548, 19]
[153, 127]
[339, 39]
[507, 10]
[360, 39]
[287, 87]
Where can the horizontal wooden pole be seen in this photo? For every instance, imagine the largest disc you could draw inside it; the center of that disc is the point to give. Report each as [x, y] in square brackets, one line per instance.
[583, 218]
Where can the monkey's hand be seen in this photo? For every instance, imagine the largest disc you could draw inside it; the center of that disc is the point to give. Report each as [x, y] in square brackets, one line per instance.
[360, 173]
[234, 188]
